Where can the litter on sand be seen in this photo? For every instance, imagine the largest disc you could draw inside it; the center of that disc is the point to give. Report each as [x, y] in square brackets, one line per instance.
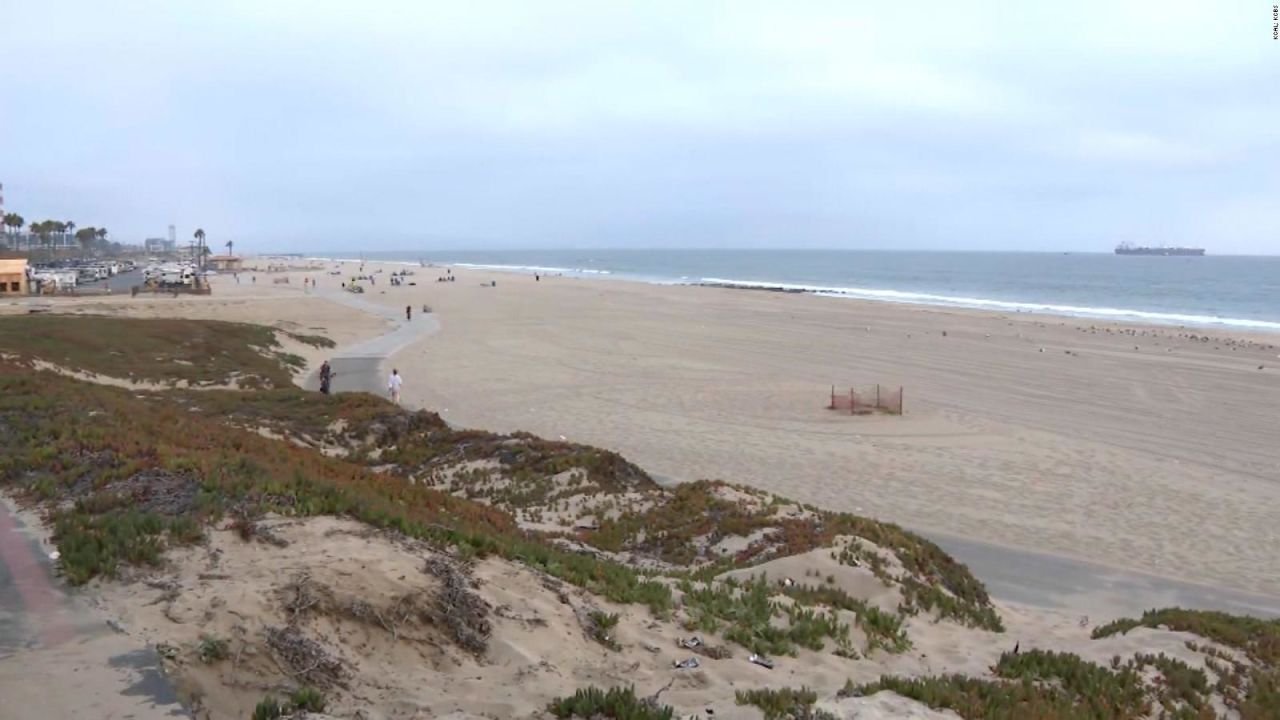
[761, 661]
[690, 643]
[686, 664]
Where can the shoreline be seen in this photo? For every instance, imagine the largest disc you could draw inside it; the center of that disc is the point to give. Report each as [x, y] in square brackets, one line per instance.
[1186, 320]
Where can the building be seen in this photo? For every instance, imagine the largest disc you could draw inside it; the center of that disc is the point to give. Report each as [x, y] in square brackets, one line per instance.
[156, 246]
[226, 263]
[13, 277]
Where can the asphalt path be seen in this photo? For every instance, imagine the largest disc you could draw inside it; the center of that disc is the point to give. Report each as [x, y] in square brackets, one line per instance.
[60, 657]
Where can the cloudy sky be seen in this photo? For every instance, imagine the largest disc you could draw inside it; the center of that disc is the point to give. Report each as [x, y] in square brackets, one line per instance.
[323, 125]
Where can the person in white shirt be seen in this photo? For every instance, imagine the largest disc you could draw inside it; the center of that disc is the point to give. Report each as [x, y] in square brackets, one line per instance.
[393, 386]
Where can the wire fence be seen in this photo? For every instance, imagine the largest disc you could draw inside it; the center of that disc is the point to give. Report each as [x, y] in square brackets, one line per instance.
[867, 400]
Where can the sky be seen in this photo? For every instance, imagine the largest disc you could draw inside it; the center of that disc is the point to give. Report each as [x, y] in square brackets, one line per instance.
[329, 126]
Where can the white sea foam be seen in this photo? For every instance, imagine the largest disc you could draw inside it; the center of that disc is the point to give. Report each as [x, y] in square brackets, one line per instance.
[915, 298]
[532, 269]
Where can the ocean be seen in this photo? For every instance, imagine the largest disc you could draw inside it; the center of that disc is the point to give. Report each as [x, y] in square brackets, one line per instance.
[1231, 291]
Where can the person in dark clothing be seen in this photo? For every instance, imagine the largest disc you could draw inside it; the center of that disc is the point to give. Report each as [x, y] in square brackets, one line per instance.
[408, 312]
[326, 377]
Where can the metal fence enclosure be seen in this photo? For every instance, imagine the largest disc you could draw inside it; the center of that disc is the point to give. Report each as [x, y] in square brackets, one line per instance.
[868, 400]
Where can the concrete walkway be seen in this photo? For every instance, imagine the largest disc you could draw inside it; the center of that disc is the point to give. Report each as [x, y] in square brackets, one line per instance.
[59, 656]
[361, 367]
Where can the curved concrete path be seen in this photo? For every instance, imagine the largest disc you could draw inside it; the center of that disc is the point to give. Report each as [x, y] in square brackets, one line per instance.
[361, 367]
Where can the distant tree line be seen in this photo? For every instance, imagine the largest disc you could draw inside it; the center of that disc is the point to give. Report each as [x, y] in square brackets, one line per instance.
[50, 233]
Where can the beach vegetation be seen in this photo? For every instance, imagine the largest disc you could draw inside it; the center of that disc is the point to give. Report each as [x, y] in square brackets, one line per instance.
[1251, 688]
[302, 700]
[269, 708]
[211, 649]
[1041, 683]
[168, 351]
[617, 703]
[307, 699]
[316, 341]
[600, 627]
[784, 703]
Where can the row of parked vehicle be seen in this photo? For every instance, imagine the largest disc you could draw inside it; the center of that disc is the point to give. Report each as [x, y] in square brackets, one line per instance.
[67, 274]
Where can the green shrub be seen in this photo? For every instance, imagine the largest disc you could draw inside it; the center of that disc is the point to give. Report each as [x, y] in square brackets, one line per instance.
[621, 703]
[268, 709]
[602, 625]
[784, 704]
[211, 649]
[308, 700]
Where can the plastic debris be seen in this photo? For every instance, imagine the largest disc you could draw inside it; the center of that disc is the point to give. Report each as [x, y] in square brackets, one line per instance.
[690, 643]
[686, 664]
[761, 661]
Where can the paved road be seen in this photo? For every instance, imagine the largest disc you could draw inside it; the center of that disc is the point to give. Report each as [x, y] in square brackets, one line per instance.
[59, 658]
[1088, 588]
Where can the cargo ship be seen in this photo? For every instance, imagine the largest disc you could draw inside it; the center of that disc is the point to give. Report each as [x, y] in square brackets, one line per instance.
[1127, 249]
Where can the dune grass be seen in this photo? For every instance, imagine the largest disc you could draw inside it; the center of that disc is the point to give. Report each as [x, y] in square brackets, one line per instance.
[1251, 689]
[152, 350]
[616, 703]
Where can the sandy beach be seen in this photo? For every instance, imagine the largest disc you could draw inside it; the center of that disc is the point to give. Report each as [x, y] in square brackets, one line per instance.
[1135, 447]
[1132, 446]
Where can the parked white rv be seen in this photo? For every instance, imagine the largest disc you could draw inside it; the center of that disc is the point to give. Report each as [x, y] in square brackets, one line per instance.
[178, 275]
[61, 280]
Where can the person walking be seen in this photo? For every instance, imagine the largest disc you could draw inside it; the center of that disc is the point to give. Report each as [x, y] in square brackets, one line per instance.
[394, 384]
[408, 312]
[326, 377]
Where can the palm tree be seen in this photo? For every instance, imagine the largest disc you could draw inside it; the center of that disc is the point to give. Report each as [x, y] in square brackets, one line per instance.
[12, 221]
[44, 230]
[230, 244]
[16, 221]
[101, 233]
[68, 228]
[85, 237]
[199, 236]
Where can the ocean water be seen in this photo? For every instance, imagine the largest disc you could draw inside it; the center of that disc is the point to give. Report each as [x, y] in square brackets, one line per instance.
[1233, 291]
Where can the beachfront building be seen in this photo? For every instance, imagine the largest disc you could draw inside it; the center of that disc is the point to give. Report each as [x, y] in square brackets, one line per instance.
[157, 246]
[13, 277]
[226, 263]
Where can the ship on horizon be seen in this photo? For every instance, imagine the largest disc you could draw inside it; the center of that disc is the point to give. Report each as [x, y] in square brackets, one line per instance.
[1129, 249]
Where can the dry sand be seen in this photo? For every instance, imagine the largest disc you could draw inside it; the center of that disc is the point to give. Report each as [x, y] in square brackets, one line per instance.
[1127, 445]
[538, 651]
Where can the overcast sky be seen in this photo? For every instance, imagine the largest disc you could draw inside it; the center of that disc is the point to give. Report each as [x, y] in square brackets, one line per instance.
[322, 125]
